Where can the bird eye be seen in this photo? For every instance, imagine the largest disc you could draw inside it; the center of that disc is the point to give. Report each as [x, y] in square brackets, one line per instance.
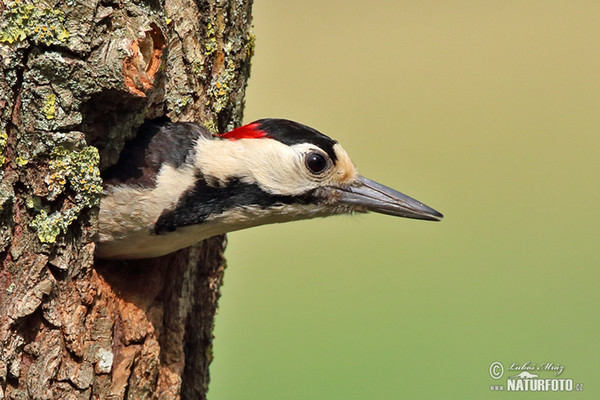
[316, 162]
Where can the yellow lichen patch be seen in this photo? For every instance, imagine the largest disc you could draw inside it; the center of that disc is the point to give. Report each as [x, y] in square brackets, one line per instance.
[22, 20]
[79, 170]
[211, 40]
[3, 141]
[21, 161]
[250, 44]
[49, 106]
[222, 86]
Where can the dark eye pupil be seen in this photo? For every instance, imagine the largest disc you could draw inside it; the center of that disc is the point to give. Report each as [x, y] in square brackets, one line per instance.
[316, 163]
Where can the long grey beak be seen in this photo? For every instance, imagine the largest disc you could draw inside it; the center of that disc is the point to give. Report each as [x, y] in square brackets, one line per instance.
[373, 196]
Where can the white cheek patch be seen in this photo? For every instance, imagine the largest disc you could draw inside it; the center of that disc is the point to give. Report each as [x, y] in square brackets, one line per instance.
[268, 163]
[273, 166]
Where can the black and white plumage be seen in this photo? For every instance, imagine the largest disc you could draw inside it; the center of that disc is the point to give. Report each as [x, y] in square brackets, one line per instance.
[176, 184]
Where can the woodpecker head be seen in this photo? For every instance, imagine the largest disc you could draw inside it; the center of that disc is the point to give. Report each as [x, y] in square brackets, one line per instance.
[272, 170]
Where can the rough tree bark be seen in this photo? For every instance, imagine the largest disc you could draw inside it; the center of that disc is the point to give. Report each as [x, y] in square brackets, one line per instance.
[77, 79]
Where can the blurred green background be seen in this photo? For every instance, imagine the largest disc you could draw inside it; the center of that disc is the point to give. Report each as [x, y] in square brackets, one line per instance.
[487, 111]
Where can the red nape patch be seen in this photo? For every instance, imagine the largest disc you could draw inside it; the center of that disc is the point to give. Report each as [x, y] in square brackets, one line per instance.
[249, 131]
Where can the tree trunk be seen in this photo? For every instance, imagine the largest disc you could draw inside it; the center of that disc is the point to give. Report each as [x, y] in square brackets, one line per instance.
[77, 80]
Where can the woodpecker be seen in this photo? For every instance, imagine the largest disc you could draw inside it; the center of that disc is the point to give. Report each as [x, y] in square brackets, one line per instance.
[176, 184]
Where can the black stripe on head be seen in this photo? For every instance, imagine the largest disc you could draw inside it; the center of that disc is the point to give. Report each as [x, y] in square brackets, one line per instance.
[290, 133]
[203, 201]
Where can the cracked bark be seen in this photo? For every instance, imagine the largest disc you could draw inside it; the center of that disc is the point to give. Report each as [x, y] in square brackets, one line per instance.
[72, 326]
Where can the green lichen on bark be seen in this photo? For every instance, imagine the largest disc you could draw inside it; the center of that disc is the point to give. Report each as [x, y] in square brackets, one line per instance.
[79, 171]
[3, 140]
[49, 106]
[210, 45]
[250, 44]
[22, 20]
[21, 161]
[221, 85]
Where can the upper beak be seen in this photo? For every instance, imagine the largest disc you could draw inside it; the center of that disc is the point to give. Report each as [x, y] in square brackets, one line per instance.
[373, 196]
